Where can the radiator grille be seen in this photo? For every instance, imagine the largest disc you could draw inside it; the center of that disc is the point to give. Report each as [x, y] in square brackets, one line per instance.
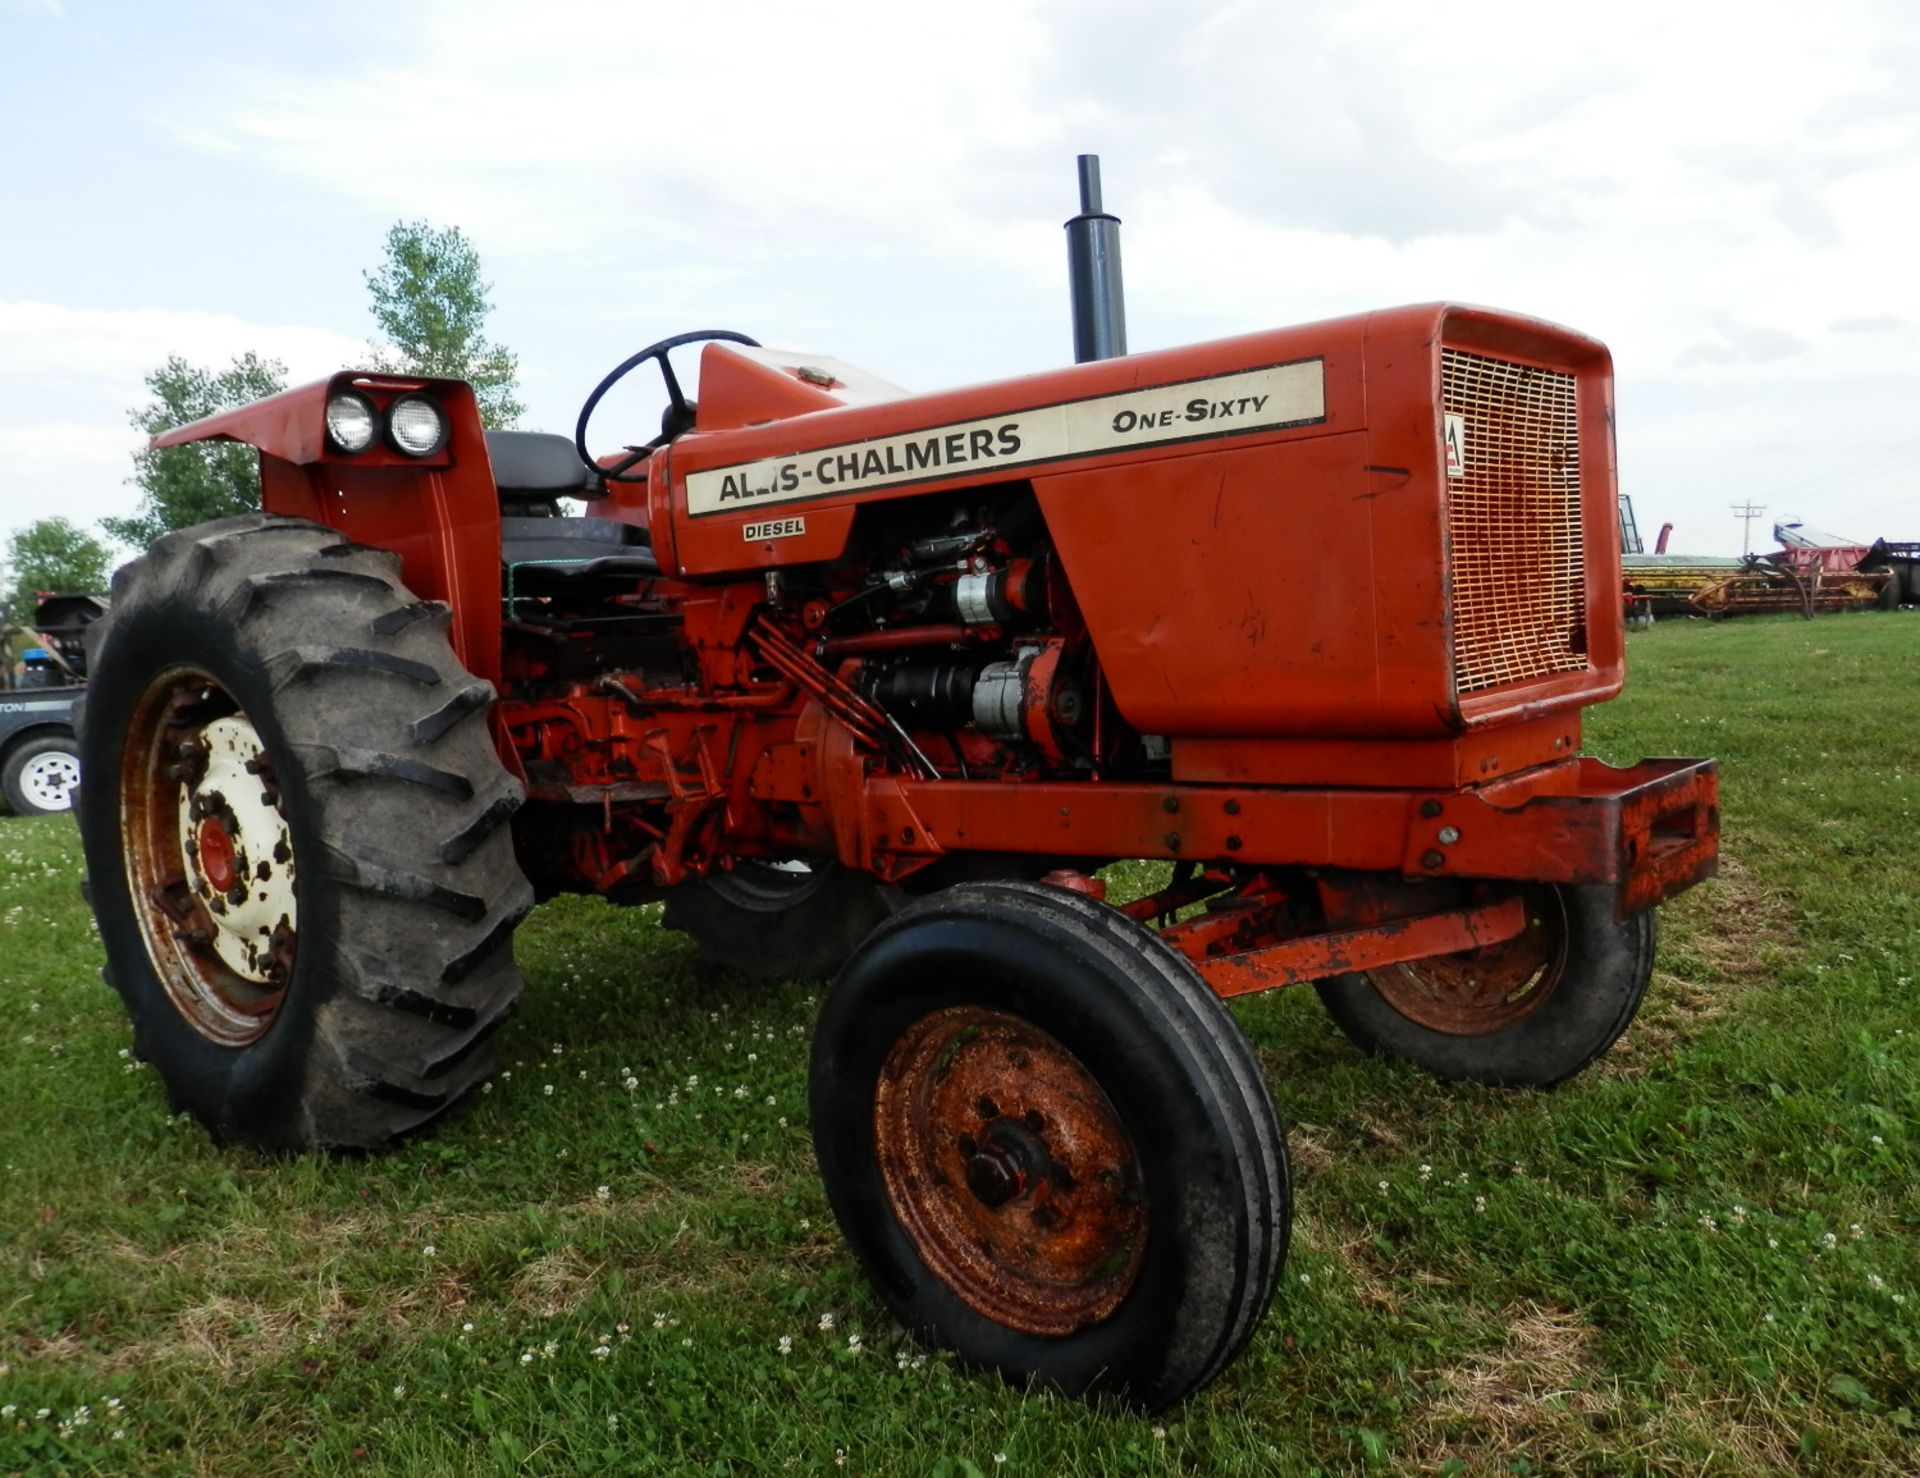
[1513, 523]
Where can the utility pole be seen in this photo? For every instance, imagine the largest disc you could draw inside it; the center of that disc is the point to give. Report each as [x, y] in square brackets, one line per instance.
[1747, 513]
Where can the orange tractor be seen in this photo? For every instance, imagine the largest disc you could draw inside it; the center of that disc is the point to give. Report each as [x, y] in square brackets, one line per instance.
[871, 684]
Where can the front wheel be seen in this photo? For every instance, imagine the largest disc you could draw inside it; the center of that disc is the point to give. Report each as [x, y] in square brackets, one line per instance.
[1049, 1144]
[1529, 1012]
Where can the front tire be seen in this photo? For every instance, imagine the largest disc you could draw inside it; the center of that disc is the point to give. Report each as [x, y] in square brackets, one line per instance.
[1049, 1144]
[294, 824]
[1529, 1013]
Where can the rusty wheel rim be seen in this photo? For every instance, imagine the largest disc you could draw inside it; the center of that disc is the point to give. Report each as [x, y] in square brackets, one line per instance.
[209, 857]
[1480, 991]
[1010, 1171]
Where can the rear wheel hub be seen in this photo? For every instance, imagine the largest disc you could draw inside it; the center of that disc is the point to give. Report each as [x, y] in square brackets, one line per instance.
[209, 857]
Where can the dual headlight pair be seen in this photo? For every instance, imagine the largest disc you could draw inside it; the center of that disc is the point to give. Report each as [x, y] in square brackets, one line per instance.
[414, 424]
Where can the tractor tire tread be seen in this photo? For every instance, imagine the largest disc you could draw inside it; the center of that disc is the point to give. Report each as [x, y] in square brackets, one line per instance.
[415, 974]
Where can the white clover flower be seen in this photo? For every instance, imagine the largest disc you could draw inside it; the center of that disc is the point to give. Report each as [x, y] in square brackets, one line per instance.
[603, 1193]
[786, 1344]
[548, 1090]
[1829, 1240]
[826, 1322]
[1480, 1204]
[1854, 1232]
[398, 1392]
[659, 1321]
[527, 1358]
[1306, 1277]
[600, 1352]
[613, 1423]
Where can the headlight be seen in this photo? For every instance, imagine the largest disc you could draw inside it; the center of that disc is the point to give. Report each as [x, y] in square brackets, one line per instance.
[416, 425]
[350, 422]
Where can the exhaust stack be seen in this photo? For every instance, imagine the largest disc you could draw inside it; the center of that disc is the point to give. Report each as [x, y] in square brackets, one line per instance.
[1093, 273]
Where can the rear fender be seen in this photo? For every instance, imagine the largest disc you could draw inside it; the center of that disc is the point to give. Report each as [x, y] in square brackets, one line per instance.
[440, 513]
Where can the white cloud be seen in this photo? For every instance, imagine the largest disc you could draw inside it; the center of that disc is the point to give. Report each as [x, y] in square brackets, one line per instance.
[1727, 201]
[50, 344]
[69, 376]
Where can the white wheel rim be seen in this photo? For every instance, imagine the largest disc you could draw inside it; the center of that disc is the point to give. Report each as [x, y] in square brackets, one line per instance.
[250, 893]
[47, 780]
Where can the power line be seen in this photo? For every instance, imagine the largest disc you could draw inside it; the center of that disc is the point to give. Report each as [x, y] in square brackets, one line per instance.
[1747, 513]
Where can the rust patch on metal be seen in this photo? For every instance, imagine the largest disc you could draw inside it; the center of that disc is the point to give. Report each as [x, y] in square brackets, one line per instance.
[1010, 1171]
[1479, 991]
[182, 876]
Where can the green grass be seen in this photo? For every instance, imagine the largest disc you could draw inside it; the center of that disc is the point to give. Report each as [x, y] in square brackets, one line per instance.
[1702, 1256]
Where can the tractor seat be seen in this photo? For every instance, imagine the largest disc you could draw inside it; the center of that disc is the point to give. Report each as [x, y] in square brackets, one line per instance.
[538, 466]
[575, 546]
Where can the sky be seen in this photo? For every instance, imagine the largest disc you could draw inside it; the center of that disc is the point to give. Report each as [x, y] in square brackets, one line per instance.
[1727, 194]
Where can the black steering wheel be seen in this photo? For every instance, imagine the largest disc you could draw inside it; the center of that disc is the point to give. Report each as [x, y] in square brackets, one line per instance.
[675, 420]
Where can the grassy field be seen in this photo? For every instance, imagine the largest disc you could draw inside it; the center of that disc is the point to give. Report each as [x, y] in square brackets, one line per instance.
[1703, 1256]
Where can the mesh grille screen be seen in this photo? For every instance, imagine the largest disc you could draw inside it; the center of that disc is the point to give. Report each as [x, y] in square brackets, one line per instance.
[1513, 523]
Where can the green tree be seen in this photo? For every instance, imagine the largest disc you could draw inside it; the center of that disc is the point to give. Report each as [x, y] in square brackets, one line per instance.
[50, 554]
[185, 485]
[432, 309]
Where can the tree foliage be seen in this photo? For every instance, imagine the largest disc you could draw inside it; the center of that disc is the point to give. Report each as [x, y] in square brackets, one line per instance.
[186, 485]
[432, 308]
[50, 554]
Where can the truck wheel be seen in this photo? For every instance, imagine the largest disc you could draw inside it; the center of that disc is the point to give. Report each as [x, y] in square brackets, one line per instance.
[1530, 1012]
[294, 830]
[1049, 1144]
[40, 774]
[780, 921]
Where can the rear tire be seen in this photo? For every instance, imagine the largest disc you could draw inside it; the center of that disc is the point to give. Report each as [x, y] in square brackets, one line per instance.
[354, 746]
[1553, 1022]
[39, 775]
[1049, 1144]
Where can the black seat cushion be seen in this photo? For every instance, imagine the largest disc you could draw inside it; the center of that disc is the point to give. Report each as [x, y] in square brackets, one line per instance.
[576, 546]
[537, 464]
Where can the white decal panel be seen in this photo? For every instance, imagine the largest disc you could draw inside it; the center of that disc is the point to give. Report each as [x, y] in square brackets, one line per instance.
[773, 528]
[1456, 445]
[1267, 399]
